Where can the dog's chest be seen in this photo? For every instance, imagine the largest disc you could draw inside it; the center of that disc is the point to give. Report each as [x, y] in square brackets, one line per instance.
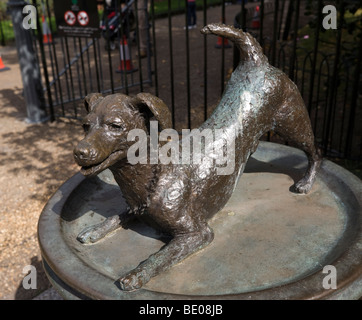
[135, 182]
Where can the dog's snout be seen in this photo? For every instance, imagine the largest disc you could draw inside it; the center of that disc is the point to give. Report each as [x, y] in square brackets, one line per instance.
[84, 153]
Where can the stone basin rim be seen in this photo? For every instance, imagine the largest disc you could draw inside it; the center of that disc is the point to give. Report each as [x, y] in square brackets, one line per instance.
[349, 263]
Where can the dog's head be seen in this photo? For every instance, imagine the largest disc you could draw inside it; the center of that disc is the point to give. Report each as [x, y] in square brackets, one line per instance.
[107, 124]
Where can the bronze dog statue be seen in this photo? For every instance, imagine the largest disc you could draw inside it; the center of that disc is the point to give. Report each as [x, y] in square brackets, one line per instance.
[180, 199]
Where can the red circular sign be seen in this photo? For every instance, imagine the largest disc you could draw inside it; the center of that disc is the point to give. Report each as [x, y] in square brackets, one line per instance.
[83, 18]
[69, 17]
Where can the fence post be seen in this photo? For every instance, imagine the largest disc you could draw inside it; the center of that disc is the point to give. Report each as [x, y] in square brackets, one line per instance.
[354, 101]
[29, 67]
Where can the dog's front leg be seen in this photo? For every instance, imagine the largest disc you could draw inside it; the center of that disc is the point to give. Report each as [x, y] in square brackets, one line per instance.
[94, 233]
[180, 247]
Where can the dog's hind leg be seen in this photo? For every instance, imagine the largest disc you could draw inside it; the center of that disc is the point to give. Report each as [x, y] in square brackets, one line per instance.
[97, 232]
[314, 161]
[293, 123]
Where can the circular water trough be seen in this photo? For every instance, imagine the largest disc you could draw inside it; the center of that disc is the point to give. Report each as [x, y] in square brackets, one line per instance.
[269, 242]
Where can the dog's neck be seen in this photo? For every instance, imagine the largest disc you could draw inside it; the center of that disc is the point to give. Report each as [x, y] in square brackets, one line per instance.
[135, 181]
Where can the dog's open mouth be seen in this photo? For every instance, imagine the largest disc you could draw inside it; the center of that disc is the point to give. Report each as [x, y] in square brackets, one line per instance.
[106, 163]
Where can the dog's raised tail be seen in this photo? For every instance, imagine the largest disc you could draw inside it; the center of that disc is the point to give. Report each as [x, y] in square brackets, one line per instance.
[250, 49]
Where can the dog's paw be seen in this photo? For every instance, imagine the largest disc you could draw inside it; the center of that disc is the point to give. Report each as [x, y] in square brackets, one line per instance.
[303, 186]
[89, 235]
[93, 234]
[97, 232]
[134, 280]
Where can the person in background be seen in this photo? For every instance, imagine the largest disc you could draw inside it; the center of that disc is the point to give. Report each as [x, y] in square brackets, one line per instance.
[110, 12]
[191, 14]
[142, 15]
[110, 7]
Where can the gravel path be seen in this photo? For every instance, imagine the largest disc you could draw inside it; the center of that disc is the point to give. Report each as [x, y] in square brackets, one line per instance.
[34, 161]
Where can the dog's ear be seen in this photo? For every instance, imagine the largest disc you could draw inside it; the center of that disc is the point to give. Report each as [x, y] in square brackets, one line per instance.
[90, 101]
[157, 107]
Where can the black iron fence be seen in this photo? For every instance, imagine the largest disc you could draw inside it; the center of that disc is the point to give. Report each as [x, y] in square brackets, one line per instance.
[189, 71]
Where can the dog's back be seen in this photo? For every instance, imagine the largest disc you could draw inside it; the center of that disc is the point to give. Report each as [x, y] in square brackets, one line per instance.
[254, 93]
[258, 98]
[207, 185]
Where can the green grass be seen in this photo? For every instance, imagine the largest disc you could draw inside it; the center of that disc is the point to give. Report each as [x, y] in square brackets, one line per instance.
[350, 17]
[327, 44]
[7, 27]
[161, 7]
[329, 37]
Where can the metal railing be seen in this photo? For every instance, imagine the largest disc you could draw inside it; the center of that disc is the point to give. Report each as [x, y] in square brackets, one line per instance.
[189, 73]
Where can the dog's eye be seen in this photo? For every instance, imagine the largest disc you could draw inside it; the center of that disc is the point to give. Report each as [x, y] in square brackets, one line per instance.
[115, 126]
[86, 127]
